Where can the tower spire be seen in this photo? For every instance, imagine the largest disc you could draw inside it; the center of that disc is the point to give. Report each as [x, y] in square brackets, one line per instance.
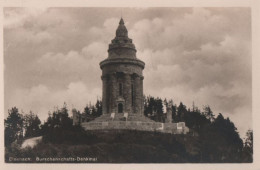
[121, 22]
[121, 29]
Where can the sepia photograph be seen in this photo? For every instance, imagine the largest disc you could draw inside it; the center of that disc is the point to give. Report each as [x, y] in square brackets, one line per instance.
[127, 85]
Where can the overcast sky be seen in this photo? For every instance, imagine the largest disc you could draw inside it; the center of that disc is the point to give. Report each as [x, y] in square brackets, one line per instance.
[52, 56]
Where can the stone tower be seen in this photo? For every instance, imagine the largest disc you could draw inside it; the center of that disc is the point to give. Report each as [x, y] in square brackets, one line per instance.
[122, 76]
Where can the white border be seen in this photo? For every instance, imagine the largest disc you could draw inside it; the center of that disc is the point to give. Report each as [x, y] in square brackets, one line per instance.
[255, 10]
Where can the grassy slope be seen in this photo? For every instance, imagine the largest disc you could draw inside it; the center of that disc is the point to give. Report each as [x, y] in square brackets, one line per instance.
[116, 146]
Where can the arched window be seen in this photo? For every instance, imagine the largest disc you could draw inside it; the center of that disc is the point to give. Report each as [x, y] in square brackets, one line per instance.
[120, 89]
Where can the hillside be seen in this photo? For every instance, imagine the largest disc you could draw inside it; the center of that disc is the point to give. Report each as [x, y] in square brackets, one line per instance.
[211, 140]
[119, 147]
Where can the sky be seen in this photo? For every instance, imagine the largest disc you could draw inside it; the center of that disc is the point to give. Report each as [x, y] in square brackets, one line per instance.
[200, 55]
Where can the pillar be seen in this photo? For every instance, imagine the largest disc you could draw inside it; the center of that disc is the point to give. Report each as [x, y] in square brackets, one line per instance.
[127, 93]
[76, 117]
[142, 95]
[113, 87]
[169, 114]
[138, 98]
[104, 94]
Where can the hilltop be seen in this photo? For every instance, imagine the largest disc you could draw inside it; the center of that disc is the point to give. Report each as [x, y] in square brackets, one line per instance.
[212, 139]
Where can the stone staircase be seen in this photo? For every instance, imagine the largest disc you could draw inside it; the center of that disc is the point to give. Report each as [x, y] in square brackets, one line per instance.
[137, 117]
[102, 118]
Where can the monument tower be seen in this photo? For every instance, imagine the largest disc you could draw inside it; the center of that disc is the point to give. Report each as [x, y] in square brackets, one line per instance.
[122, 76]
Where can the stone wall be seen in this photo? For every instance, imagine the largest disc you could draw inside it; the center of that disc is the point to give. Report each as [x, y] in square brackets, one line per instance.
[132, 92]
[173, 128]
[118, 52]
[122, 67]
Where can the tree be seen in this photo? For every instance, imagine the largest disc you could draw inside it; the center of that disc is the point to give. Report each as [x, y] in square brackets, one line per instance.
[248, 147]
[159, 110]
[181, 111]
[32, 125]
[57, 124]
[98, 108]
[92, 111]
[195, 120]
[249, 139]
[153, 108]
[87, 110]
[208, 113]
[13, 126]
[166, 103]
[145, 106]
[63, 115]
[150, 107]
[221, 141]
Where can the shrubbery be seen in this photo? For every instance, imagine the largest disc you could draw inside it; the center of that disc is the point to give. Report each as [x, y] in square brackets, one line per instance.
[212, 139]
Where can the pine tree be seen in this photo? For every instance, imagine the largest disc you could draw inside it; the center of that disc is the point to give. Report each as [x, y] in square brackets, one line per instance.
[32, 125]
[13, 126]
[181, 111]
[208, 113]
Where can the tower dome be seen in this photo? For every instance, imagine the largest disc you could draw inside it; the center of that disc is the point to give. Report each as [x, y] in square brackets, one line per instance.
[121, 45]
